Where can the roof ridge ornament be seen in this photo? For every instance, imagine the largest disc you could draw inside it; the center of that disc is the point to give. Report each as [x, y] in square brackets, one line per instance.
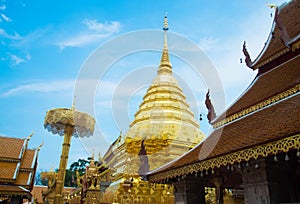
[28, 138]
[40, 146]
[211, 110]
[247, 56]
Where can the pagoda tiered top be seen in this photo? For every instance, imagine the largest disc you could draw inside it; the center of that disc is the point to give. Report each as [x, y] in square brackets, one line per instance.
[164, 111]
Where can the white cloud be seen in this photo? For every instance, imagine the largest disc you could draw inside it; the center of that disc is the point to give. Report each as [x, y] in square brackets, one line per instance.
[109, 27]
[81, 40]
[4, 34]
[41, 87]
[96, 31]
[16, 60]
[4, 17]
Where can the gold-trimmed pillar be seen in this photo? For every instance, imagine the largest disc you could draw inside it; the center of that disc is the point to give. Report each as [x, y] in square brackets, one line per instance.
[63, 165]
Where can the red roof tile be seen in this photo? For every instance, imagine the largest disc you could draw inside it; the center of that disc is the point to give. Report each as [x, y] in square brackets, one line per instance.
[14, 190]
[24, 179]
[7, 170]
[15, 165]
[28, 159]
[10, 147]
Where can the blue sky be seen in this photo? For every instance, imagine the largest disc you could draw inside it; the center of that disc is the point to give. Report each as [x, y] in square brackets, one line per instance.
[44, 44]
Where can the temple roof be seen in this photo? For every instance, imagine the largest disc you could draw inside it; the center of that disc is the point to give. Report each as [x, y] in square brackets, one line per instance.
[17, 162]
[267, 125]
[11, 147]
[284, 33]
[263, 87]
[14, 190]
[28, 160]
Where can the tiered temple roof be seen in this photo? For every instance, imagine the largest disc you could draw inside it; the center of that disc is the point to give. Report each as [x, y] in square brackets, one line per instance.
[17, 167]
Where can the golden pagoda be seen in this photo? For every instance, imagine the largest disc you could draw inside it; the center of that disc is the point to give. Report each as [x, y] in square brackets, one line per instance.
[164, 119]
[164, 128]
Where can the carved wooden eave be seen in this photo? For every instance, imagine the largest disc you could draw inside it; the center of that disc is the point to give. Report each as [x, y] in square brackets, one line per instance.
[283, 138]
[272, 148]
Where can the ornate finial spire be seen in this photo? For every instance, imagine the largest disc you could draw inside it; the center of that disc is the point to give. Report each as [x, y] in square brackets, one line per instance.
[165, 66]
[40, 146]
[92, 162]
[166, 26]
[28, 138]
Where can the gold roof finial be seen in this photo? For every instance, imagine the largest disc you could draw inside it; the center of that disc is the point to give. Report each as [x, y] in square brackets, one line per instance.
[166, 26]
[40, 146]
[93, 153]
[272, 6]
[29, 136]
[165, 66]
[27, 139]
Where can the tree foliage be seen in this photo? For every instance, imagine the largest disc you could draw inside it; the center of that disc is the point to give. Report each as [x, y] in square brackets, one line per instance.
[80, 166]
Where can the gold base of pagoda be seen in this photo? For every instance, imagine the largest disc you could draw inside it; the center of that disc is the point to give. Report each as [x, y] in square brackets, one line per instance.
[136, 191]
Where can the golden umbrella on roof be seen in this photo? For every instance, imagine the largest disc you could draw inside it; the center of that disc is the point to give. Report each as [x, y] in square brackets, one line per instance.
[67, 122]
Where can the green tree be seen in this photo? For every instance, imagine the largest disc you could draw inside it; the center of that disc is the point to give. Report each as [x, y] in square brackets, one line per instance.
[80, 166]
[70, 179]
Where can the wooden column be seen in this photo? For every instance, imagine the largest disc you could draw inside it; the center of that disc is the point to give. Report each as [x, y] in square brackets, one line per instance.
[218, 181]
[257, 187]
[189, 191]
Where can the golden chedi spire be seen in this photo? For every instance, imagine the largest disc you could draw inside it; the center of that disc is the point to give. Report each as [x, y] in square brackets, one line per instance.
[164, 119]
[165, 66]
